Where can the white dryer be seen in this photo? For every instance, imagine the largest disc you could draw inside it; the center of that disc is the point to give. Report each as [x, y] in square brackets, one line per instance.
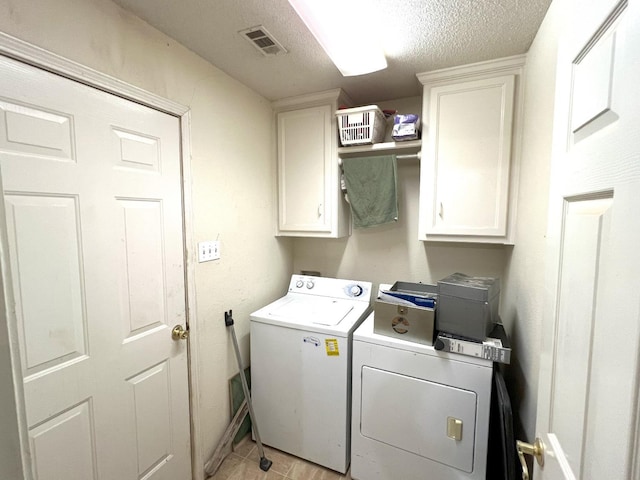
[301, 367]
[417, 413]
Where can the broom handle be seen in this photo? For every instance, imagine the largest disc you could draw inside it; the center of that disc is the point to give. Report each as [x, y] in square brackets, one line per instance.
[228, 320]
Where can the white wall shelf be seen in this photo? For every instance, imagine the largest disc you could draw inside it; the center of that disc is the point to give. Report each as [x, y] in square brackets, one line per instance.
[400, 148]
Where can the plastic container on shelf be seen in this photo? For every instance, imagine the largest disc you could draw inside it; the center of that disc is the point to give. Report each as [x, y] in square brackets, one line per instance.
[361, 125]
[406, 127]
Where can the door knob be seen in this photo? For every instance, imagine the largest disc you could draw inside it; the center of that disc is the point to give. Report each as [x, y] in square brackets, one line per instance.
[179, 333]
[537, 450]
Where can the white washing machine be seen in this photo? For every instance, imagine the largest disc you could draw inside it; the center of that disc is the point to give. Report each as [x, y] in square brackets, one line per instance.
[417, 413]
[301, 367]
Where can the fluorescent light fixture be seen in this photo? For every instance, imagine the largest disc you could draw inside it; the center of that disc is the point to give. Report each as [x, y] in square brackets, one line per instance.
[343, 29]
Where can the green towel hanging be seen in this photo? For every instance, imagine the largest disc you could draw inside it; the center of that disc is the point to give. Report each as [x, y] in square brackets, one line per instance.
[372, 189]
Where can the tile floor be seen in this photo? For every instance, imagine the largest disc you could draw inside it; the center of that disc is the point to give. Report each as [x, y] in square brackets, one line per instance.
[243, 464]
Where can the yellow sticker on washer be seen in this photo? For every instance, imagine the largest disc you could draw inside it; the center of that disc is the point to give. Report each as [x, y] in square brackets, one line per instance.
[331, 345]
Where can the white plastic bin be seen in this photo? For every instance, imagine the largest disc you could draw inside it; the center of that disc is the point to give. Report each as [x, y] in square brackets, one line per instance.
[361, 125]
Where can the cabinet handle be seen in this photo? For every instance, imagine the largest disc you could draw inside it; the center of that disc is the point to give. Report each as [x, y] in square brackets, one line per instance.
[319, 210]
[441, 214]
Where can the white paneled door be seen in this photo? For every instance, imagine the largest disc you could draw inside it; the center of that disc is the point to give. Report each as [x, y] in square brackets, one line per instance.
[588, 397]
[92, 192]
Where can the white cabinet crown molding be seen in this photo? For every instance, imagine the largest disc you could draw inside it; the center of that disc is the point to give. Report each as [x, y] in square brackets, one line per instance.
[474, 71]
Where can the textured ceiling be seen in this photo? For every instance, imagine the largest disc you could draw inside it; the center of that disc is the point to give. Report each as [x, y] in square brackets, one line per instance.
[418, 36]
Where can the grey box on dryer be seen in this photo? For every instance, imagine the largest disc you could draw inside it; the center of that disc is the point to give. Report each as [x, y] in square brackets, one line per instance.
[468, 306]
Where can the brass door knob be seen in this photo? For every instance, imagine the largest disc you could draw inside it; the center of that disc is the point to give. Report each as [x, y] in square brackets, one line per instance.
[179, 333]
[537, 450]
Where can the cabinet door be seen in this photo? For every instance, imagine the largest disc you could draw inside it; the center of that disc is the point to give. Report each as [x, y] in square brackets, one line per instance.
[465, 177]
[304, 170]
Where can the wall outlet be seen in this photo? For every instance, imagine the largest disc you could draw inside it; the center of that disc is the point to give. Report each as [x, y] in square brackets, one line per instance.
[208, 250]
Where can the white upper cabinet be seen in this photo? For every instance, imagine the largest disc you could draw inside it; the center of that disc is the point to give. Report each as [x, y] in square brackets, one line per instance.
[469, 169]
[310, 202]
[470, 153]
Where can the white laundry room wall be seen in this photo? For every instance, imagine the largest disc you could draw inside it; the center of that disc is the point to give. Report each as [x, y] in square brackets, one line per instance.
[233, 180]
[524, 289]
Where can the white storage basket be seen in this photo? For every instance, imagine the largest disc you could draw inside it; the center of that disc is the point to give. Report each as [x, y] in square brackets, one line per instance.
[361, 125]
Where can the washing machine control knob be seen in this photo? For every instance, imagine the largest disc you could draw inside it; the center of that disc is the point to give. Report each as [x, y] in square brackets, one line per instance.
[355, 290]
[310, 284]
[299, 284]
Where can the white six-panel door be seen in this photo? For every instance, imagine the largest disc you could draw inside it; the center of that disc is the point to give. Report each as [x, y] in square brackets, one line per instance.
[588, 396]
[94, 221]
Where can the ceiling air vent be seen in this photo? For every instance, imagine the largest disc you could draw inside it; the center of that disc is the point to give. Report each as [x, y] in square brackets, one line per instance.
[263, 40]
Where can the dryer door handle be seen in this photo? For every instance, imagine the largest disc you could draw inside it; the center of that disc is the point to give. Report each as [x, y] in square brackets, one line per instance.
[454, 428]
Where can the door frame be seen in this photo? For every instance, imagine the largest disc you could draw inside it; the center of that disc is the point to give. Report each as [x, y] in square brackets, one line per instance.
[27, 53]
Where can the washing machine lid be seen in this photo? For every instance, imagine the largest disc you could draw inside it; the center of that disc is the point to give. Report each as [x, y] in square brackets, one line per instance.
[311, 310]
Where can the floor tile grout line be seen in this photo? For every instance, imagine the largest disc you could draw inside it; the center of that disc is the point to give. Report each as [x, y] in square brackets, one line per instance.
[246, 460]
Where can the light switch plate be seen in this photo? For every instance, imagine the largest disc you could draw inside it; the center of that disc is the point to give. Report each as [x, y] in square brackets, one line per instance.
[208, 250]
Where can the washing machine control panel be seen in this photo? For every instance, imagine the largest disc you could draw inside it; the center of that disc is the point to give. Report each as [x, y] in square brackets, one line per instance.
[331, 287]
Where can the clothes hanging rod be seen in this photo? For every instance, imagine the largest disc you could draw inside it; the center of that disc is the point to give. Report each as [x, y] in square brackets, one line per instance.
[411, 156]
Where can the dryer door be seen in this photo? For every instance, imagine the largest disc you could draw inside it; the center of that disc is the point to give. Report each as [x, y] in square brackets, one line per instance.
[425, 418]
